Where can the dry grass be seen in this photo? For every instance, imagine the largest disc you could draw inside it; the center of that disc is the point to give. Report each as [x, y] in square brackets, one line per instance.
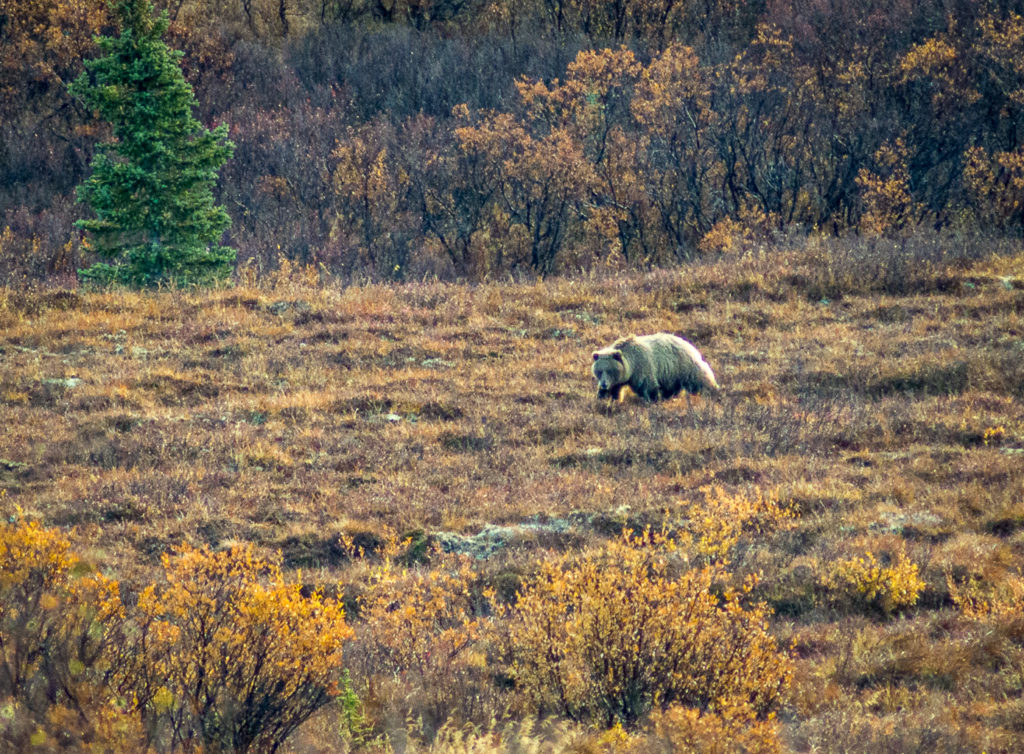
[885, 412]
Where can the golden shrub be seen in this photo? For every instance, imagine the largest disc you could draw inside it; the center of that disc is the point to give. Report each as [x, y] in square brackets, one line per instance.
[230, 657]
[419, 652]
[726, 236]
[59, 624]
[730, 728]
[977, 598]
[994, 182]
[717, 522]
[862, 581]
[889, 205]
[609, 636]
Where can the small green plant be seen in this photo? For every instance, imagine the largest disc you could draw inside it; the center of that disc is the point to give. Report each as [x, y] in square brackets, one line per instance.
[151, 187]
[353, 721]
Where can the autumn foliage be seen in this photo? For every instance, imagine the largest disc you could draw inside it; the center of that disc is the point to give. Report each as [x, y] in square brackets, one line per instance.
[362, 499]
[421, 647]
[611, 636]
[231, 656]
[225, 656]
[61, 624]
[470, 139]
[216, 473]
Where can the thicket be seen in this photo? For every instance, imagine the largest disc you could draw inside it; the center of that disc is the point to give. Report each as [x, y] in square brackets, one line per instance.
[611, 637]
[471, 138]
[225, 655]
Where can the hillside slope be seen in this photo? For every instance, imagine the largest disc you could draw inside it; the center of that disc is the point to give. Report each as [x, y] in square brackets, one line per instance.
[883, 410]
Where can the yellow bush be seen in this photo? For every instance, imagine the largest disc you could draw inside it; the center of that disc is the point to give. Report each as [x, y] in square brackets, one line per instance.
[977, 598]
[60, 623]
[994, 182]
[889, 206]
[608, 637]
[229, 655]
[725, 237]
[419, 652]
[717, 522]
[730, 728]
[863, 581]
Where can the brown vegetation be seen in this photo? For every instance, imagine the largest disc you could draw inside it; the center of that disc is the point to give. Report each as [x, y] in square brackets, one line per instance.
[466, 139]
[431, 457]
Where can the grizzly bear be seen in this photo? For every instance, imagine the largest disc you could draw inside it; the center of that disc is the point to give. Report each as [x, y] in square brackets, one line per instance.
[654, 366]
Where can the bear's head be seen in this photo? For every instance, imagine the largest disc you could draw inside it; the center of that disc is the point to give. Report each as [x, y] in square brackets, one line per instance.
[610, 369]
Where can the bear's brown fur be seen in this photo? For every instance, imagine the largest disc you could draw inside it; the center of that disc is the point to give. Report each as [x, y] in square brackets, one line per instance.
[655, 367]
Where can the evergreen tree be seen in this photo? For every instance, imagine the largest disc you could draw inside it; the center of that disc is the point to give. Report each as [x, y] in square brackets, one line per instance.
[152, 186]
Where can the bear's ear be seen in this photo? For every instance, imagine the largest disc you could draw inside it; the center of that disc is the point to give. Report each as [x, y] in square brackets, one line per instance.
[596, 355]
[617, 355]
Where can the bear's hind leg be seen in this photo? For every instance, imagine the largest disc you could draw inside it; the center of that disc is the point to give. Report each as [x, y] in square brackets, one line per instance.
[649, 392]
